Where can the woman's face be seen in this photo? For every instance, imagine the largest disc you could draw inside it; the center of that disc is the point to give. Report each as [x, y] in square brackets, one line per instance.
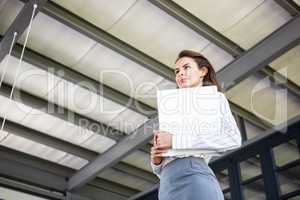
[188, 74]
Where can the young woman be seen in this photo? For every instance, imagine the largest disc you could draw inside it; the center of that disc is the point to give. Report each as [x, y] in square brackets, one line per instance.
[189, 177]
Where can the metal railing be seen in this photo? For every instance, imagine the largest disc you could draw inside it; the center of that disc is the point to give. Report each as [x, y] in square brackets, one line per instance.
[261, 146]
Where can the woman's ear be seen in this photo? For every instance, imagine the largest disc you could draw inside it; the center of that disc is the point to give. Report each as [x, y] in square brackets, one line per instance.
[204, 71]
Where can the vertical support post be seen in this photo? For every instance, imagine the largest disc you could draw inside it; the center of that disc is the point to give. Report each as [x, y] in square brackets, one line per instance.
[234, 173]
[298, 138]
[270, 177]
[241, 124]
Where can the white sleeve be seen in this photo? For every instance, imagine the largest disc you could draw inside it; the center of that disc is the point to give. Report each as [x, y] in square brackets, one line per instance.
[156, 169]
[229, 139]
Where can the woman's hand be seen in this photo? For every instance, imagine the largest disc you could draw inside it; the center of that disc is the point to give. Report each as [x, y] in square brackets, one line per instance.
[162, 141]
[156, 155]
[161, 144]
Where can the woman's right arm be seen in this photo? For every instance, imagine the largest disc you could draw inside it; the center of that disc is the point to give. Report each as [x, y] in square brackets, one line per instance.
[156, 169]
[156, 157]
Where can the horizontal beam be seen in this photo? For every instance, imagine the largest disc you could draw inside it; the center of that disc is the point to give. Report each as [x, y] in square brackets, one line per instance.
[290, 6]
[194, 23]
[261, 54]
[65, 146]
[48, 140]
[204, 30]
[18, 186]
[270, 138]
[85, 23]
[59, 112]
[69, 19]
[281, 80]
[75, 27]
[43, 62]
[76, 78]
[150, 194]
[20, 162]
[89, 172]
[251, 117]
[82, 23]
[19, 25]
[31, 175]
[56, 111]
[273, 137]
[136, 139]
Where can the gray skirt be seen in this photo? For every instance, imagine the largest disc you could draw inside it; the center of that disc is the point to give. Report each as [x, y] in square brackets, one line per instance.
[189, 178]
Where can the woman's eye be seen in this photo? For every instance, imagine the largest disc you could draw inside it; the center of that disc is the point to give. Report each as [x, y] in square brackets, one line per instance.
[186, 67]
[176, 72]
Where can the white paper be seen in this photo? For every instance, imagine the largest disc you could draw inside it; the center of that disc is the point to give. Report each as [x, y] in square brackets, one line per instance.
[190, 111]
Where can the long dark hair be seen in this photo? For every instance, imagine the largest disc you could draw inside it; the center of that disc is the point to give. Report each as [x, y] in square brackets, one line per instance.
[210, 78]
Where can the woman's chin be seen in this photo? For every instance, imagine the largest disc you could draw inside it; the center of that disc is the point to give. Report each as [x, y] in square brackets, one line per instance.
[184, 86]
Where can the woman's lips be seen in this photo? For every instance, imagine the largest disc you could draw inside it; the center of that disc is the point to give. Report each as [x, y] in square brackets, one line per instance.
[183, 80]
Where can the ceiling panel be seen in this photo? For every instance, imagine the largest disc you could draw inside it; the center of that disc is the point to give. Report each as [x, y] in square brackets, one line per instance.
[98, 143]
[297, 2]
[285, 153]
[288, 65]
[72, 161]
[125, 179]
[13, 194]
[139, 159]
[61, 129]
[84, 102]
[42, 151]
[48, 124]
[289, 185]
[67, 131]
[98, 12]
[254, 191]
[271, 103]
[150, 97]
[39, 121]
[249, 170]
[57, 41]
[66, 94]
[157, 34]
[222, 15]
[252, 130]
[118, 72]
[13, 111]
[216, 56]
[260, 23]
[81, 136]
[9, 9]
[31, 79]
[127, 121]
[27, 146]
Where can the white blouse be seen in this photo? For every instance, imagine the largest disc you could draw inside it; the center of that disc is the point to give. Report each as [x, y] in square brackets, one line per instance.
[202, 146]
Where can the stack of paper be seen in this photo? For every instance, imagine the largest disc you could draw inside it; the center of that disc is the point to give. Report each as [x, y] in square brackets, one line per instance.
[190, 111]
